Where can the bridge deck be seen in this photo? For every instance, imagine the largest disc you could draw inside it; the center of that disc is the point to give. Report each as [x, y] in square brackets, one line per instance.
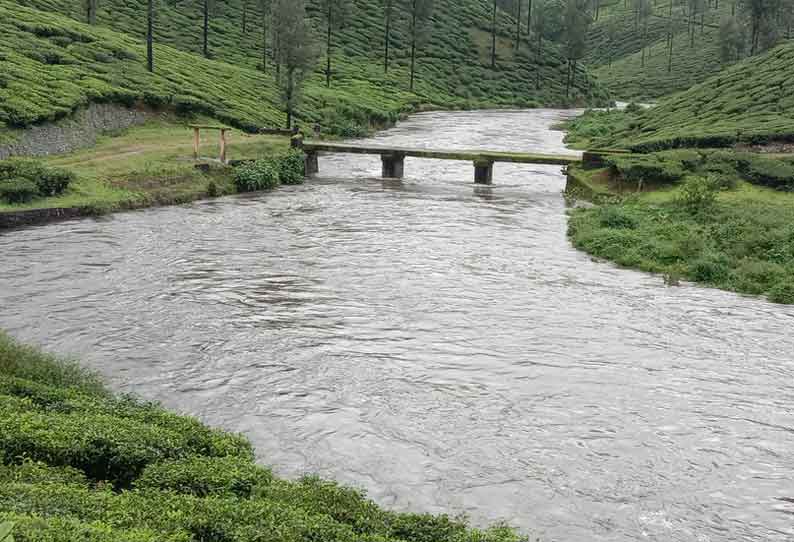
[469, 155]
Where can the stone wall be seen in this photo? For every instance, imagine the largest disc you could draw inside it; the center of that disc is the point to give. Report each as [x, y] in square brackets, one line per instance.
[81, 130]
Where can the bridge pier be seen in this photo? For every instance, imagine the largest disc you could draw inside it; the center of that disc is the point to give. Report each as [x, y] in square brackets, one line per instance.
[312, 165]
[483, 171]
[393, 165]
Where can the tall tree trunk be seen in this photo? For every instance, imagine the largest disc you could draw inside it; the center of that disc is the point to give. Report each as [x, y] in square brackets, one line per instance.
[537, 64]
[328, 46]
[264, 40]
[245, 15]
[670, 38]
[493, 36]
[387, 37]
[91, 7]
[205, 44]
[413, 44]
[290, 91]
[518, 24]
[150, 36]
[529, 18]
[644, 43]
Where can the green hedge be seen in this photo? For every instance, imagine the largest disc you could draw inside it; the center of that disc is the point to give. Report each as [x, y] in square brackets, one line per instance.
[203, 476]
[269, 172]
[24, 180]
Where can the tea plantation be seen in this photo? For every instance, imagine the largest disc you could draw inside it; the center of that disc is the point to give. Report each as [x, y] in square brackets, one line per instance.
[78, 463]
[51, 64]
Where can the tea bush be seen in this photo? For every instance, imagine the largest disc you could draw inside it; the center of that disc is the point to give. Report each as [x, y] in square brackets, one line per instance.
[256, 175]
[202, 476]
[292, 167]
[24, 180]
[67, 446]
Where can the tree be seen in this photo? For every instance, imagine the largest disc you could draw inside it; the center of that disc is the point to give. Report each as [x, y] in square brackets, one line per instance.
[245, 17]
[388, 7]
[518, 24]
[91, 9]
[493, 36]
[576, 24]
[334, 12]
[421, 11]
[539, 27]
[296, 53]
[612, 31]
[762, 14]
[732, 40]
[150, 36]
[207, 7]
[265, 6]
[644, 12]
[529, 18]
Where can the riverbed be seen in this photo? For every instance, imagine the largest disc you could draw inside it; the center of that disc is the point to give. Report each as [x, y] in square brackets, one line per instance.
[437, 343]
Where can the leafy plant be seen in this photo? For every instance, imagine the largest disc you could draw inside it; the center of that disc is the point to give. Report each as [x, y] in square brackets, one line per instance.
[256, 175]
[699, 194]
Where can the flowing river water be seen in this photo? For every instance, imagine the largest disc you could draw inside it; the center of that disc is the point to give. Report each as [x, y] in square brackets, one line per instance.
[436, 343]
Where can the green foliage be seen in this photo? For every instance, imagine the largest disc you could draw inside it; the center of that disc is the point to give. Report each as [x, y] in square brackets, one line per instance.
[6, 529]
[739, 244]
[17, 190]
[291, 167]
[652, 168]
[24, 180]
[53, 65]
[202, 476]
[62, 436]
[698, 194]
[256, 175]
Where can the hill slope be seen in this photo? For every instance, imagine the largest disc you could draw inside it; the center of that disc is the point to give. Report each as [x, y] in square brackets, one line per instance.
[52, 64]
[750, 102]
[616, 43]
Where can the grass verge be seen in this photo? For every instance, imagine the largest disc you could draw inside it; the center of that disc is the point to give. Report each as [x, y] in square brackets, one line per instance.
[734, 236]
[146, 166]
[79, 463]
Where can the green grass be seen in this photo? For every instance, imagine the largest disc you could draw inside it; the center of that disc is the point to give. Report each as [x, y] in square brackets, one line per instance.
[149, 165]
[79, 463]
[743, 242]
[51, 64]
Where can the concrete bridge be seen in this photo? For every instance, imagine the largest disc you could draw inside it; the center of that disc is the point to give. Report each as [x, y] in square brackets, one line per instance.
[393, 158]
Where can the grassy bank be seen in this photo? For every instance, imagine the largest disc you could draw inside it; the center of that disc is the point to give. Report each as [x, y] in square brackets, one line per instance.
[79, 463]
[715, 229]
[148, 165]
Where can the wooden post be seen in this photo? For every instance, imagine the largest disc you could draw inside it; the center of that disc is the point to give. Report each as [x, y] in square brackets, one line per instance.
[483, 171]
[196, 142]
[223, 146]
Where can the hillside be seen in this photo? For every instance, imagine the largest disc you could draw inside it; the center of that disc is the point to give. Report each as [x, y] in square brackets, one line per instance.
[616, 43]
[52, 64]
[750, 102]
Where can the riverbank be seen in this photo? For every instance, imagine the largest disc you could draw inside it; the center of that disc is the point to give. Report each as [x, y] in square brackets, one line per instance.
[717, 230]
[80, 462]
[144, 166]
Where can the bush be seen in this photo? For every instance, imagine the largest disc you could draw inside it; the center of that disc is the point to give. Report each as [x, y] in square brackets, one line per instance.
[292, 167]
[615, 217]
[709, 269]
[648, 169]
[783, 292]
[698, 194]
[203, 476]
[18, 190]
[52, 182]
[764, 171]
[257, 175]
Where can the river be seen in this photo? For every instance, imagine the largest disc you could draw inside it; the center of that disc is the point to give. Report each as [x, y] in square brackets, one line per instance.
[436, 343]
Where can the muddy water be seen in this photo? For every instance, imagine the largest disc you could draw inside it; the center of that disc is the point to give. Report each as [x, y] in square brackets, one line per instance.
[436, 343]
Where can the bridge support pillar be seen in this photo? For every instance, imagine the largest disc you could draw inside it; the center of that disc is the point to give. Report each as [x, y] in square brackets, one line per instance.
[393, 165]
[483, 171]
[312, 164]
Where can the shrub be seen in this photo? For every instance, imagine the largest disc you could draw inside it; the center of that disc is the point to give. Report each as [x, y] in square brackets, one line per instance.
[202, 476]
[257, 175]
[648, 169]
[292, 167]
[34, 472]
[52, 182]
[212, 190]
[615, 217]
[698, 194]
[782, 292]
[18, 190]
[46, 181]
[761, 170]
[709, 269]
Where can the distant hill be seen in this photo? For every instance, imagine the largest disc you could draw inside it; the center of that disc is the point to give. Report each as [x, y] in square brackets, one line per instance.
[616, 42]
[750, 102]
[50, 64]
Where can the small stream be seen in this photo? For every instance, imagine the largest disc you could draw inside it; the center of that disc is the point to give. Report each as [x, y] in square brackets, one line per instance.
[436, 343]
